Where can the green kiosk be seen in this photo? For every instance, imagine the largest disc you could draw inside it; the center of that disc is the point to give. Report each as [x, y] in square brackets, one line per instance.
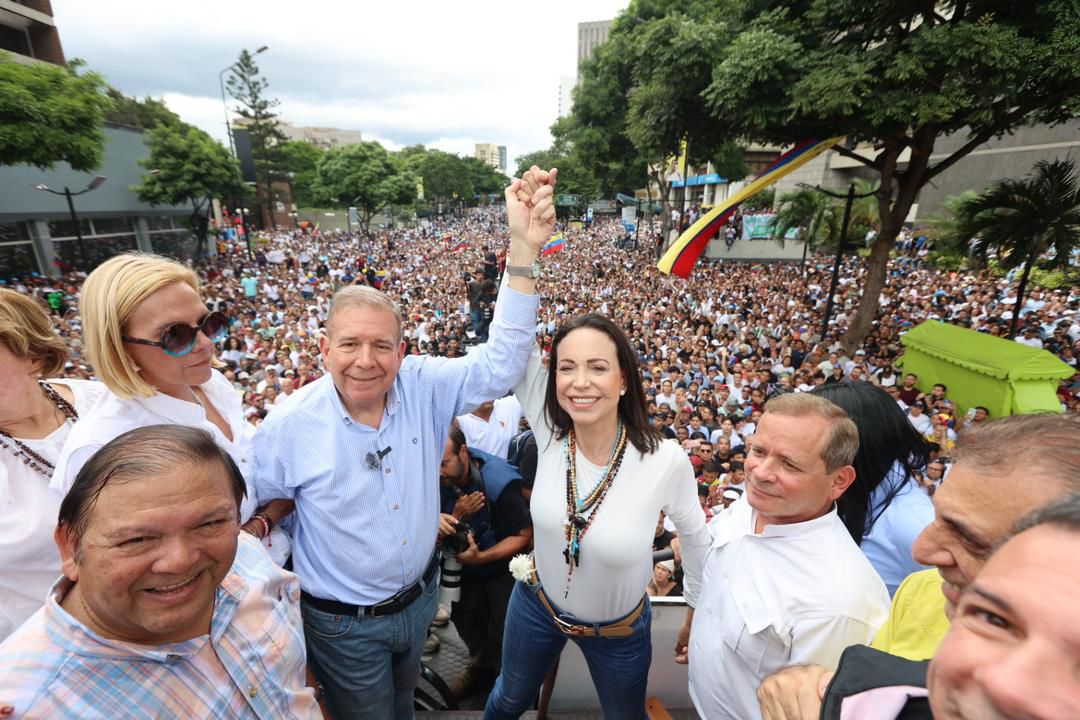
[1004, 376]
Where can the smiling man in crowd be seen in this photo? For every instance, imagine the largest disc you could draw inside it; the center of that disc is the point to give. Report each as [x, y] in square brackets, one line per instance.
[165, 606]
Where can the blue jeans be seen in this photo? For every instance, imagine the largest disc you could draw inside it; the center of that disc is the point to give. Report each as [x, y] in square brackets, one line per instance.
[531, 644]
[370, 666]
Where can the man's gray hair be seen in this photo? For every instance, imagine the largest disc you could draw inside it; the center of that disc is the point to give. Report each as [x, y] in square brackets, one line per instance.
[842, 445]
[1043, 444]
[353, 296]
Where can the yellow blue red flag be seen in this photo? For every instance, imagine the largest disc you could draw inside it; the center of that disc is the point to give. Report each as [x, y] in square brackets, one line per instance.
[683, 254]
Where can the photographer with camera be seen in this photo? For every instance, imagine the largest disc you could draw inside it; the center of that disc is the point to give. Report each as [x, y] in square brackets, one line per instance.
[485, 521]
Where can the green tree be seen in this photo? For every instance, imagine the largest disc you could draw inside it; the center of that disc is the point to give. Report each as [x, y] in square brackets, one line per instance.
[299, 161]
[812, 214]
[446, 177]
[485, 179]
[146, 114]
[367, 177]
[249, 88]
[1022, 220]
[896, 76]
[189, 167]
[51, 114]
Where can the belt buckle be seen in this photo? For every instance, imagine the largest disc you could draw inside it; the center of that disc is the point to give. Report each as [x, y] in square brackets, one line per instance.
[572, 629]
[376, 610]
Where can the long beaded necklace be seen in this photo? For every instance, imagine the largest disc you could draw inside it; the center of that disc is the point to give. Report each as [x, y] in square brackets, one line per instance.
[580, 512]
[20, 450]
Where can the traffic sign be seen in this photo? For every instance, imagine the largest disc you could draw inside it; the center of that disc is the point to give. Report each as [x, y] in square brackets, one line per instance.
[568, 200]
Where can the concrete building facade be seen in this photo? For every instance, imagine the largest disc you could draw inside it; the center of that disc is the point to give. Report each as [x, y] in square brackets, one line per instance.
[492, 154]
[37, 233]
[590, 35]
[1010, 156]
[28, 31]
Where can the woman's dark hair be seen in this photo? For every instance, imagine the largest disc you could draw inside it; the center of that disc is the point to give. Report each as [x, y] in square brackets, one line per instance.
[632, 406]
[138, 454]
[886, 437]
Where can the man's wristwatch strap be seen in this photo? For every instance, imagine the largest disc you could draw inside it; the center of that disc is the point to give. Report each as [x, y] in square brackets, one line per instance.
[527, 271]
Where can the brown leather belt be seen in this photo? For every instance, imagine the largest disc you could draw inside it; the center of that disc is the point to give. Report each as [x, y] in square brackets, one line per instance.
[619, 628]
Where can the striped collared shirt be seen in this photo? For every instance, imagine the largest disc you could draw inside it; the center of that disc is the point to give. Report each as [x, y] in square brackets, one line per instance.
[251, 665]
[360, 533]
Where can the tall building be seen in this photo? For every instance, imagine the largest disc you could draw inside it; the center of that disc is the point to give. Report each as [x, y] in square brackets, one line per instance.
[566, 94]
[28, 32]
[589, 36]
[494, 155]
[323, 137]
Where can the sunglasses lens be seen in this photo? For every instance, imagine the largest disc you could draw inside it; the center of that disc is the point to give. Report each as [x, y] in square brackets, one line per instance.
[214, 326]
[178, 339]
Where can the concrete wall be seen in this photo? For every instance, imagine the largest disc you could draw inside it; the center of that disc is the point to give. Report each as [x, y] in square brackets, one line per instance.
[1011, 156]
[20, 201]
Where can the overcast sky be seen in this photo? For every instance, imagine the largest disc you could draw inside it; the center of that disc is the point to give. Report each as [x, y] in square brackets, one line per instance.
[445, 74]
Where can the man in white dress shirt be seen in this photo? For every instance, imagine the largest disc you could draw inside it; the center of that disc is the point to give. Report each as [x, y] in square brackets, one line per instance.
[784, 582]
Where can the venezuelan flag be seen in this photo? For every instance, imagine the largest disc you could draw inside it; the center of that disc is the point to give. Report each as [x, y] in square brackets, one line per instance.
[683, 254]
[554, 245]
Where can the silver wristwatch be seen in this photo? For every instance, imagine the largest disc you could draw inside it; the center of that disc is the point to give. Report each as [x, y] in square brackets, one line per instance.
[527, 271]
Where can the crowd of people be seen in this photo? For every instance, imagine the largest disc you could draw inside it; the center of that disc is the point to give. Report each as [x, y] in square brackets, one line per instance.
[309, 390]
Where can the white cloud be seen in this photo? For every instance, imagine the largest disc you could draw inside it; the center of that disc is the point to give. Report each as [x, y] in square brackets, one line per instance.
[448, 75]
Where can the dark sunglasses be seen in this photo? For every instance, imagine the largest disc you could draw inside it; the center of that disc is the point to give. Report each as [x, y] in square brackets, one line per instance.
[179, 339]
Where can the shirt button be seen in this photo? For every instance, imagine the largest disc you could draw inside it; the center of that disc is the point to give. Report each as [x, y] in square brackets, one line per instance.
[397, 507]
[404, 542]
[172, 658]
[387, 471]
[252, 692]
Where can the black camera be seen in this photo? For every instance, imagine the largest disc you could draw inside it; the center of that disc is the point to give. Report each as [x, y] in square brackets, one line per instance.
[458, 541]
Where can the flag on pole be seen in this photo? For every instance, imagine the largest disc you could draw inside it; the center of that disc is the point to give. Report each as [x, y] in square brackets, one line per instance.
[683, 254]
[554, 245]
[459, 247]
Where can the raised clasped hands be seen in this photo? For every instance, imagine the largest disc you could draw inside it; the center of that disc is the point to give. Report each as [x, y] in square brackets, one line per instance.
[530, 207]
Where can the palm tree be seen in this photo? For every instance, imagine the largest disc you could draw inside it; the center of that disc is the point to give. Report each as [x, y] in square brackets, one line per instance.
[1024, 219]
[813, 215]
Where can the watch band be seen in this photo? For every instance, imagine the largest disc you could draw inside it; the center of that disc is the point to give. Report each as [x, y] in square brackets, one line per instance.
[527, 271]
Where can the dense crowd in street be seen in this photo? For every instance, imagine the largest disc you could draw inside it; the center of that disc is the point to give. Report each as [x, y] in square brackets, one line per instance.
[730, 329]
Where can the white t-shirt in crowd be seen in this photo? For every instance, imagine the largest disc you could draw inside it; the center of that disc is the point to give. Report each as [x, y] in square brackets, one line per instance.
[29, 560]
[494, 434]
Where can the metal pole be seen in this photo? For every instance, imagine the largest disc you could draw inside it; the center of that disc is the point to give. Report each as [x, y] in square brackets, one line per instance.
[78, 231]
[839, 260]
[225, 105]
[637, 224]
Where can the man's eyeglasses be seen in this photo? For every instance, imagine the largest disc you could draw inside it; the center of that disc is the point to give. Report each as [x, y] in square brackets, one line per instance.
[179, 339]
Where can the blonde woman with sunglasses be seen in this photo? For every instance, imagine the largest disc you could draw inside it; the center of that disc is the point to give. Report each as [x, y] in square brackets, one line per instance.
[150, 339]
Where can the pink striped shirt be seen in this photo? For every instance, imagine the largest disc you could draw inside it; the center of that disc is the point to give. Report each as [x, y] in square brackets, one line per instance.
[251, 665]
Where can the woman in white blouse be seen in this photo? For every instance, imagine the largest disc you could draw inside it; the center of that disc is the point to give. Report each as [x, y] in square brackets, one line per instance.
[150, 339]
[36, 417]
[603, 476]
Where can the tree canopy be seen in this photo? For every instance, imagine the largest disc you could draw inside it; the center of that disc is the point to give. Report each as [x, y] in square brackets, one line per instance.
[299, 160]
[189, 167]
[895, 76]
[51, 114]
[365, 176]
[1022, 220]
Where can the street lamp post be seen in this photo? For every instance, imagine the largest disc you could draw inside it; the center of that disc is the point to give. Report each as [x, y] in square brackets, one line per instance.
[225, 104]
[850, 198]
[67, 193]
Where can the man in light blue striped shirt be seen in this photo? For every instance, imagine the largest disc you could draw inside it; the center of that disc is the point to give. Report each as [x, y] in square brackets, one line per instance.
[359, 452]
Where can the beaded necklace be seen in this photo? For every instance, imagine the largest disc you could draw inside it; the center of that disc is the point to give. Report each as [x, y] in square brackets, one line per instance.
[28, 456]
[580, 512]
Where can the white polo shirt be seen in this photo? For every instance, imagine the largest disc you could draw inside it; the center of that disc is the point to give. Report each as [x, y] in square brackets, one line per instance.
[798, 593]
